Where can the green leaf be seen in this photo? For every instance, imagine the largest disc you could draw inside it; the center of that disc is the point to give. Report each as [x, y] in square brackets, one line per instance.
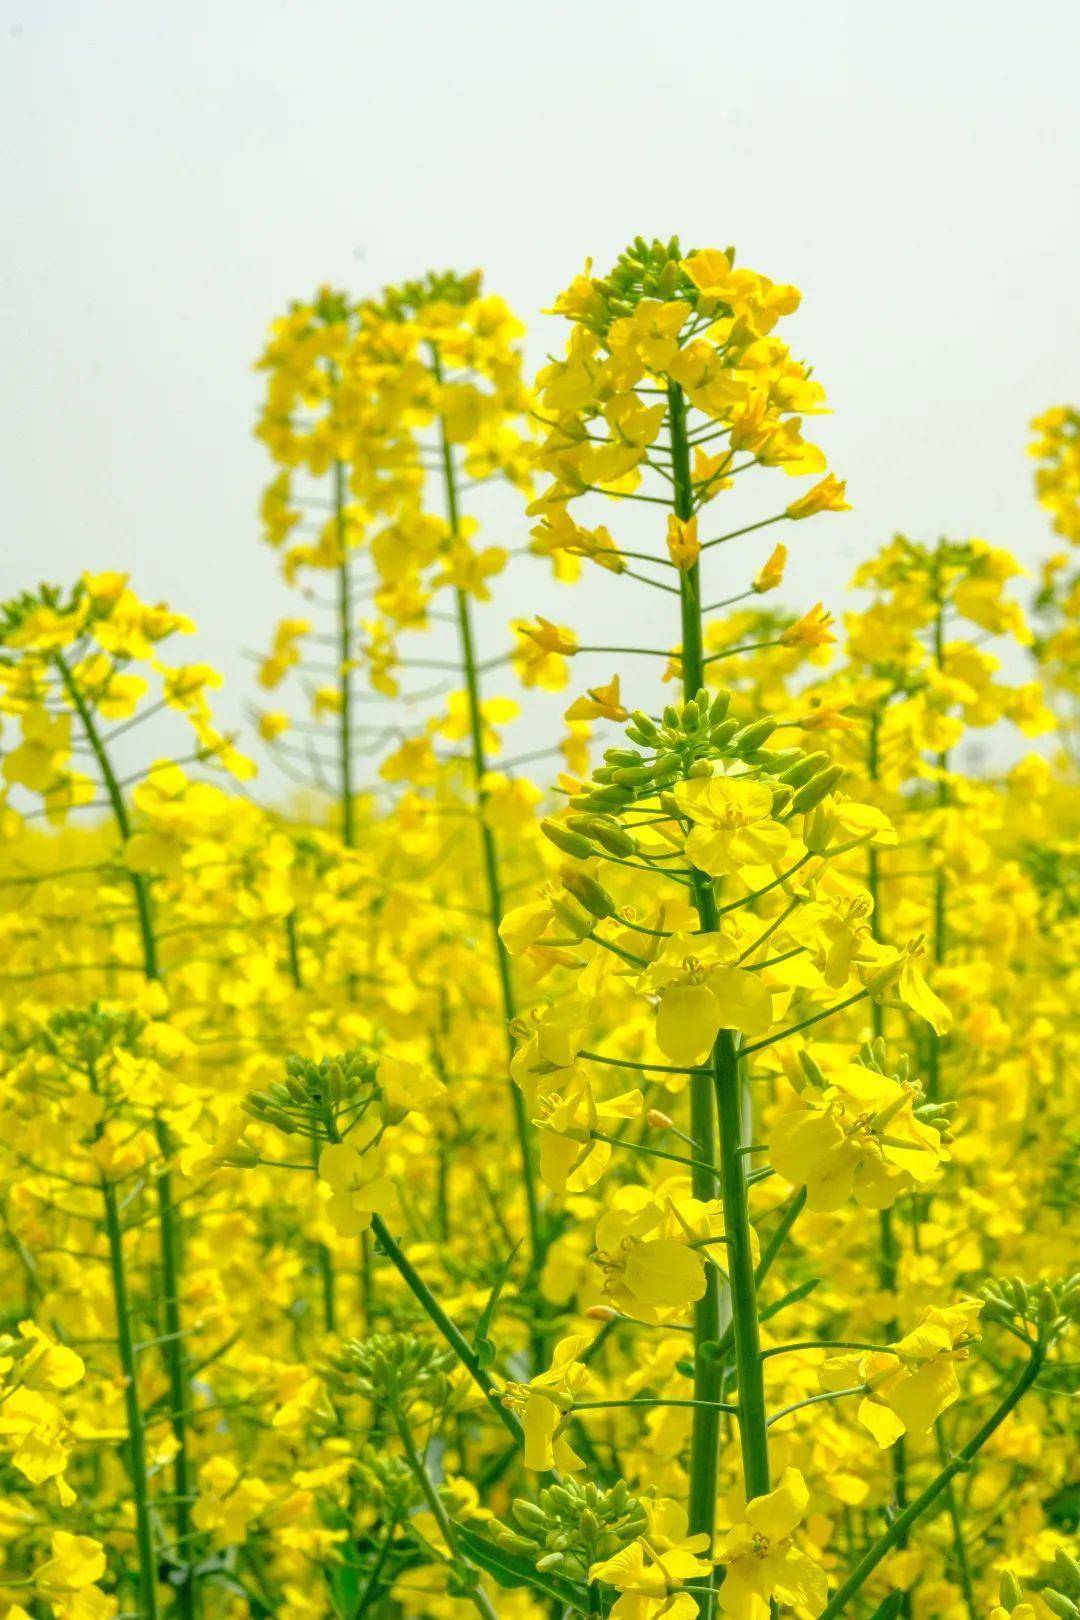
[510, 1571]
[889, 1607]
[481, 1342]
[791, 1298]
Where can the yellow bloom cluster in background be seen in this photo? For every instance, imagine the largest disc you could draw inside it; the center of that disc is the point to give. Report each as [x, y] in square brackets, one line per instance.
[627, 1178]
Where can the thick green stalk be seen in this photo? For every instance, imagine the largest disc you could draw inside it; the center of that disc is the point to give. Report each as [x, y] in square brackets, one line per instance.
[144, 1527]
[489, 850]
[168, 1227]
[929, 1497]
[889, 1257]
[348, 825]
[715, 1098]
[144, 1531]
[479, 1598]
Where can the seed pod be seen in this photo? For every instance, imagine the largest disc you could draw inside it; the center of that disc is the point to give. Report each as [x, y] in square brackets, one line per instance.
[571, 843]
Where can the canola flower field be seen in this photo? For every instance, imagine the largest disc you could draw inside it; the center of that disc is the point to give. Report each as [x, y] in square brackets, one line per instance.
[636, 1179]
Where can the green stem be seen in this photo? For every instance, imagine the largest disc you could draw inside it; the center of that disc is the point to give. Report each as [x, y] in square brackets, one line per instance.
[176, 1371]
[716, 1102]
[901, 1526]
[489, 848]
[477, 1595]
[169, 1231]
[144, 1532]
[959, 1545]
[348, 828]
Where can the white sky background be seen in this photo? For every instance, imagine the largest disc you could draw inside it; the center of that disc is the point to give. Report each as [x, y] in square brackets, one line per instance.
[175, 173]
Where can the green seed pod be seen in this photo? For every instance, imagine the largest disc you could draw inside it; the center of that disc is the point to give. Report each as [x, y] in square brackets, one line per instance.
[815, 790]
[571, 843]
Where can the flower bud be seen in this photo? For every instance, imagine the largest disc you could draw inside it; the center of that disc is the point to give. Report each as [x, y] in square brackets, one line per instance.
[812, 792]
[752, 736]
[571, 843]
[588, 892]
[659, 1121]
[805, 767]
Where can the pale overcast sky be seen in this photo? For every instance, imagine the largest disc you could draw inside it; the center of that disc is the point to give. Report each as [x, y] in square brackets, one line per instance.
[176, 172]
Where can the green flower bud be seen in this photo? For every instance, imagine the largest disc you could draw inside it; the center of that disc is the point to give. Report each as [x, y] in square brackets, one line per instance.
[805, 767]
[815, 790]
[1010, 1590]
[615, 839]
[588, 892]
[752, 736]
[571, 843]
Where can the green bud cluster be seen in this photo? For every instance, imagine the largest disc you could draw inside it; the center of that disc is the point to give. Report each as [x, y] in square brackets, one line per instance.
[572, 1526]
[684, 743]
[403, 302]
[16, 609]
[84, 1035]
[315, 1092]
[384, 1483]
[1047, 1308]
[644, 270]
[392, 1369]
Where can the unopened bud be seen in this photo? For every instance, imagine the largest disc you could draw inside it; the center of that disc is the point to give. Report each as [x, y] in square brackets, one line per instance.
[571, 843]
[659, 1121]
